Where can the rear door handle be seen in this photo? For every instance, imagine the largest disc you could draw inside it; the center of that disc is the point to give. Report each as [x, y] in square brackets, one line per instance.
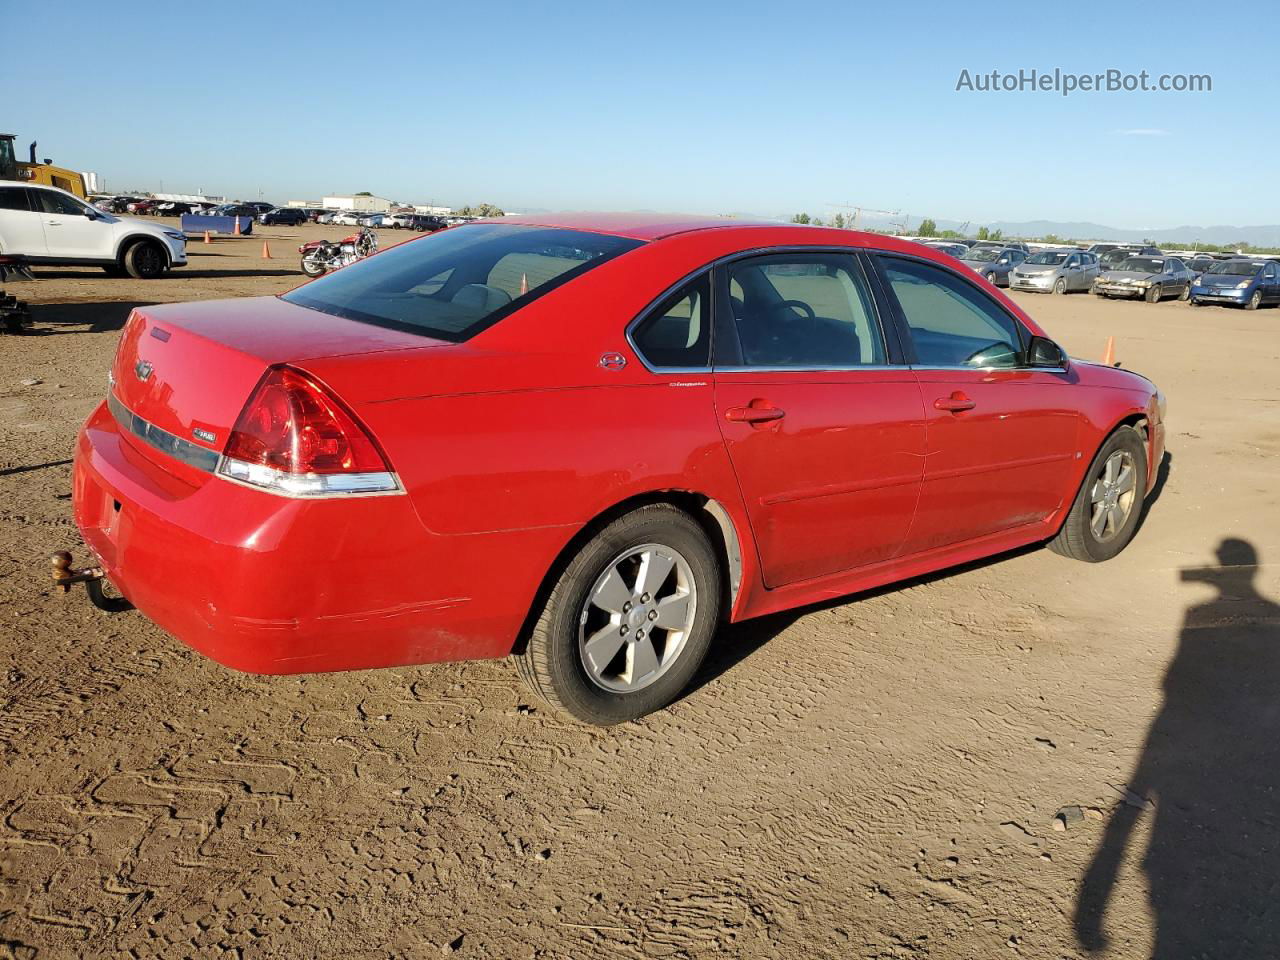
[955, 403]
[756, 412]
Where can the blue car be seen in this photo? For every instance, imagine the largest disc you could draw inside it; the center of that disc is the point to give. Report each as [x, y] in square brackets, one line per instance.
[1243, 282]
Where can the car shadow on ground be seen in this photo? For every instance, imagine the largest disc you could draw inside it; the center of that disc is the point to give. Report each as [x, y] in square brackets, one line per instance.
[50, 319]
[736, 642]
[1207, 779]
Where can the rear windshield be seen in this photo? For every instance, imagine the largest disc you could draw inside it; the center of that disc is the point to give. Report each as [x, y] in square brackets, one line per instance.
[455, 283]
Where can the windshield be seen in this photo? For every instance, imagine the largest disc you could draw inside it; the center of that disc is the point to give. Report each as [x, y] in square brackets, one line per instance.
[1142, 265]
[1236, 268]
[1048, 258]
[982, 254]
[455, 283]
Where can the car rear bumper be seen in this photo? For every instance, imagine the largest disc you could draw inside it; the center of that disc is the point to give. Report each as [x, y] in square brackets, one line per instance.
[272, 585]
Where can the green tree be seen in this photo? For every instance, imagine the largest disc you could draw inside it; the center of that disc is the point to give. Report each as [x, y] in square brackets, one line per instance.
[817, 221]
[364, 193]
[800, 218]
[927, 228]
[838, 221]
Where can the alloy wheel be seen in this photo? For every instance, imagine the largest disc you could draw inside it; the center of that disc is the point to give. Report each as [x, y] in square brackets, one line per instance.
[637, 617]
[1113, 495]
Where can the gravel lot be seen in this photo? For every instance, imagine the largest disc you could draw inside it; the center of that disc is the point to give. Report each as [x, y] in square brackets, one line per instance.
[873, 778]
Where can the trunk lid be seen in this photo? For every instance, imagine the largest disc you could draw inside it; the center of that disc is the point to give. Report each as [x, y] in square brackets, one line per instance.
[188, 369]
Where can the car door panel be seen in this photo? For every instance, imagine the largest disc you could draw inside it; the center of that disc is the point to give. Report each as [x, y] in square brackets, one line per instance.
[823, 424]
[1001, 438]
[833, 484]
[21, 229]
[68, 232]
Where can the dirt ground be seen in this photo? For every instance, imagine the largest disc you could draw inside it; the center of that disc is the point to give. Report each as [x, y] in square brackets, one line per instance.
[874, 778]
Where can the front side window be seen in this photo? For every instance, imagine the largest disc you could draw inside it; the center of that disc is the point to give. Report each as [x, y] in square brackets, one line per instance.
[803, 310]
[677, 332]
[453, 284]
[52, 202]
[953, 324]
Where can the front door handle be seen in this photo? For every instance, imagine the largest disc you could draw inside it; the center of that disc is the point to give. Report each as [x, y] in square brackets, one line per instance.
[756, 412]
[955, 403]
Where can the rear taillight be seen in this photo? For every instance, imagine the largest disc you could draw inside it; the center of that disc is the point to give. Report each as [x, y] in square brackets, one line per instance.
[295, 439]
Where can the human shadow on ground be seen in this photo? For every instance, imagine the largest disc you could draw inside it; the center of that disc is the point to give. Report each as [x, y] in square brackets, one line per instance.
[1209, 779]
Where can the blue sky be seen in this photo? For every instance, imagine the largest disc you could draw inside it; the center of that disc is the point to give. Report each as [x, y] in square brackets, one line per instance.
[706, 107]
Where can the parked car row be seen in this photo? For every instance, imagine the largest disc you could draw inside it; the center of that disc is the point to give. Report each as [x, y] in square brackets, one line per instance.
[1119, 270]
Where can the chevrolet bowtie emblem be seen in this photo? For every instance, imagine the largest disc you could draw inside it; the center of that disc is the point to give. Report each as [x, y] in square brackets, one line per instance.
[142, 369]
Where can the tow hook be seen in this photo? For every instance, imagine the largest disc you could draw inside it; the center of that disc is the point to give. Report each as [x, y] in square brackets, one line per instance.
[92, 578]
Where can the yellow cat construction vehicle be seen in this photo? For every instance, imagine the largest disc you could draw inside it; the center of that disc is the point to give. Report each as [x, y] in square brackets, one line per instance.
[13, 169]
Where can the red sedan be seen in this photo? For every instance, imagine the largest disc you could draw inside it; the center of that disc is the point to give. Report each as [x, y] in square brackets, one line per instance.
[585, 441]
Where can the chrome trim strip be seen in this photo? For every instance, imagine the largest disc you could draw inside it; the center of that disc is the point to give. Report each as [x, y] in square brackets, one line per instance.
[923, 369]
[201, 458]
[850, 368]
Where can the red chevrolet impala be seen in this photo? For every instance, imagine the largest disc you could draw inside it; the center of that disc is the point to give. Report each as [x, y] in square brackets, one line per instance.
[586, 441]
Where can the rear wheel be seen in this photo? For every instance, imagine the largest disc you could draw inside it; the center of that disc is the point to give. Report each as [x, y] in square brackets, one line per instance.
[628, 621]
[312, 267]
[1107, 508]
[1185, 295]
[144, 260]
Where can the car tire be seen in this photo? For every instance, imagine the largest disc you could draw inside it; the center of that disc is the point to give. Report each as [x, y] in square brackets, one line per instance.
[1079, 537]
[1154, 293]
[613, 564]
[1254, 301]
[145, 260]
[1060, 287]
[1185, 295]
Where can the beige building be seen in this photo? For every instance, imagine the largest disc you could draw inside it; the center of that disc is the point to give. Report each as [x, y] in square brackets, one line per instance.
[361, 204]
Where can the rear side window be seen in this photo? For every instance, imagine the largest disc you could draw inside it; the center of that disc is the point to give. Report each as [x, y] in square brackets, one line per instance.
[952, 323]
[803, 310]
[14, 198]
[677, 332]
[455, 283]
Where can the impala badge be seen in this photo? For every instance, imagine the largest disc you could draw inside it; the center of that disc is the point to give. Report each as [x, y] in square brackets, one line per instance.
[613, 361]
[142, 370]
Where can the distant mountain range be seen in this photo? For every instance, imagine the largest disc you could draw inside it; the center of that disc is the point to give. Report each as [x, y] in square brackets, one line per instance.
[1261, 236]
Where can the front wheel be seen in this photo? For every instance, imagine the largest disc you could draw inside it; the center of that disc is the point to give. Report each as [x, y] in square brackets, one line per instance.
[628, 621]
[1255, 301]
[1060, 287]
[1106, 511]
[144, 260]
[1154, 292]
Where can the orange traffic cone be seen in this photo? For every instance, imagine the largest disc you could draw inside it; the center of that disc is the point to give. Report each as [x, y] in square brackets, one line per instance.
[207, 238]
[1109, 355]
[266, 250]
[237, 229]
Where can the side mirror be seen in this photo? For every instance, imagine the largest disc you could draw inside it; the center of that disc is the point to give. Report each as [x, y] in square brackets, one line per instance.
[1045, 353]
[90, 213]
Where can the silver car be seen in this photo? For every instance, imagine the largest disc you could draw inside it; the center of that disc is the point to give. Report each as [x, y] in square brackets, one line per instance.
[956, 250]
[1055, 271]
[993, 264]
[1152, 278]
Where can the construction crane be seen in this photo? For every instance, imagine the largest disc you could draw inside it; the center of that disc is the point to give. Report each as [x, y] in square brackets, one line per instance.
[859, 211]
[11, 168]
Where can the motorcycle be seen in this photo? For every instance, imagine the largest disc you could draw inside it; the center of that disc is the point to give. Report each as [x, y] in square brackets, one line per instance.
[321, 256]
